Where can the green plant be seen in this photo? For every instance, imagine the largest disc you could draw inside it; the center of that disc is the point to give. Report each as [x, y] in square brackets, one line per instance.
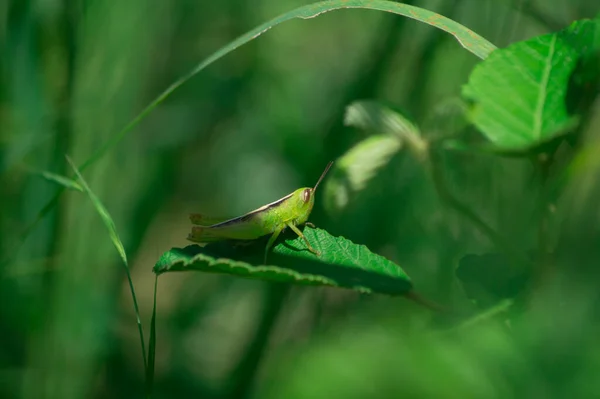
[530, 102]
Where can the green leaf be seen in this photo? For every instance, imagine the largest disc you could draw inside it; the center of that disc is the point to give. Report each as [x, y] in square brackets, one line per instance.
[376, 118]
[519, 92]
[61, 180]
[341, 264]
[353, 170]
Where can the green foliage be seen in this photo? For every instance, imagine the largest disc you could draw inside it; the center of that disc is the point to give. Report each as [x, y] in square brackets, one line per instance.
[520, 91]
[342, 263]
[467, 38]
[262, 124]
[375, 118]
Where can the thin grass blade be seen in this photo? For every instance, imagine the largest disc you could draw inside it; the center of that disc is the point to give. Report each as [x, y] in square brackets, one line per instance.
[114, 236]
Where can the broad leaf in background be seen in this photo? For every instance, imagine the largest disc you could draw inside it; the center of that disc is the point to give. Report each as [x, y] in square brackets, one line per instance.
[342, 263]
[519, 92]
[352, 171]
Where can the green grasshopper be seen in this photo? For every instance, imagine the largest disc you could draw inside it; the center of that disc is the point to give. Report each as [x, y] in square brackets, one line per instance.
[289, 211]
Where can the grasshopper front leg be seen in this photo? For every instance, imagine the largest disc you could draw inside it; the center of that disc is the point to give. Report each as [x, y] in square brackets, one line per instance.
[297, 231]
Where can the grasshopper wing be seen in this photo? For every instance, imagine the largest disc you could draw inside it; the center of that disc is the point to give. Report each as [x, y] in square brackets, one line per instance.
[241, 228]
[203, 220]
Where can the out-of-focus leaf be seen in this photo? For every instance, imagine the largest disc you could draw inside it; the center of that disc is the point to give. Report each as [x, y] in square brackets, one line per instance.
[353, 170]
[376, 118]
[342, 263]
[519, 92]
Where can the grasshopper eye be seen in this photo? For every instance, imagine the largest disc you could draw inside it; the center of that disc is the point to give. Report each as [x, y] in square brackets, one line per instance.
[306, 195]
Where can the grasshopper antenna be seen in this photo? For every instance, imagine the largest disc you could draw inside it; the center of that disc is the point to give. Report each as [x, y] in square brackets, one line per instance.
[323, 175]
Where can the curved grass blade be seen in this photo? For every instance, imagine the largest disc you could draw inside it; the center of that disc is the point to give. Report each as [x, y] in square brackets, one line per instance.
[342, 263]
[466, 37]
[114, 236]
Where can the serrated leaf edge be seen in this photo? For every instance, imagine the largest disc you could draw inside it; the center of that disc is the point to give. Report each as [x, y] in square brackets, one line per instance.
[252, 270]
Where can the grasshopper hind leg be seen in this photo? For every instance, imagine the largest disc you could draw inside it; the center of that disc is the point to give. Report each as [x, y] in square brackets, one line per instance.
[202, 235]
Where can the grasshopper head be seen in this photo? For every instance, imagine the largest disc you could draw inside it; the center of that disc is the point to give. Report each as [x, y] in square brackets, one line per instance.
[305, 198]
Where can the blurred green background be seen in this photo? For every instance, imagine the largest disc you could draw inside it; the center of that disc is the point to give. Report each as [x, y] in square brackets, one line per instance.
[249, 129]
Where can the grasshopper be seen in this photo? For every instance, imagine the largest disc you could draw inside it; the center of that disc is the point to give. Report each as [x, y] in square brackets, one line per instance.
[290, 211]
